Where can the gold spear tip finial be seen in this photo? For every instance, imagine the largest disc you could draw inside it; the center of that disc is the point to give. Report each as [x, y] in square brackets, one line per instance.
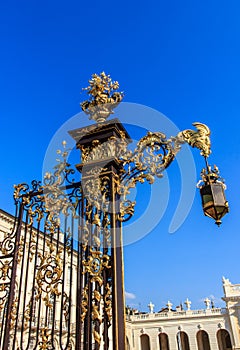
[103, 97]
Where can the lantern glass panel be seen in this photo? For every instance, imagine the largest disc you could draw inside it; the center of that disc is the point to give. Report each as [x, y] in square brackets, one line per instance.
[206, 194]
[218, 194]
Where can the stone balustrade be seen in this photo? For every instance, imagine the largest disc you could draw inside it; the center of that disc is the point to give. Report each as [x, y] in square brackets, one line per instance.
[177, 314]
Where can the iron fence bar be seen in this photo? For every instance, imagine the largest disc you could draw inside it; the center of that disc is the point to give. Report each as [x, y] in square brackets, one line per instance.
[12, 282]
[33, 291]
[78, 336]
[63, 278]
[27, 230]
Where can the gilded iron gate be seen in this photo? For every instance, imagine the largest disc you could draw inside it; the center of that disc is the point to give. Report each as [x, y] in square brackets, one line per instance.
[56, 263]
[40, 265]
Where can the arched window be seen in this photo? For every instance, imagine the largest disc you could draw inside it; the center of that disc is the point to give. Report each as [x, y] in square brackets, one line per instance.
[128, 345]
[182, 341]
[224, 340]
[203, 340]
[145, 342]
[163, 341]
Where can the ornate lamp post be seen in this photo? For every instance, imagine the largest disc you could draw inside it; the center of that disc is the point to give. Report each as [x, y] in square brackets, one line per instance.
[92, 211]
[110, 170]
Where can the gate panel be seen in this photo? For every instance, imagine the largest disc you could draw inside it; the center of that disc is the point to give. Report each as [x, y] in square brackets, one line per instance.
[40, 269]
[56, 263]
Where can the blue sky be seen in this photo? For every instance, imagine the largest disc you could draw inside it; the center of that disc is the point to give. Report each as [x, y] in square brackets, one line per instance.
[180, 58]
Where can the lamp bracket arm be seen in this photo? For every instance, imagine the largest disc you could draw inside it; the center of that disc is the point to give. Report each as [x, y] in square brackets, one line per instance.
[153, 154]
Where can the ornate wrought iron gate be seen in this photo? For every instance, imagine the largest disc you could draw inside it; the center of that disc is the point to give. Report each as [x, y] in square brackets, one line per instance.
[61, 283]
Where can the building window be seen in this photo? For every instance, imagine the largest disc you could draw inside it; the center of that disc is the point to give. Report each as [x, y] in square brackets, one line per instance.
[224, 340]
[182, 341]
[145, 342]
[203, 340]
[163, 341]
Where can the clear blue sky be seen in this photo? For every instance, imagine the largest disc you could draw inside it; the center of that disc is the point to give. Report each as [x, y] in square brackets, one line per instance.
[178, 57]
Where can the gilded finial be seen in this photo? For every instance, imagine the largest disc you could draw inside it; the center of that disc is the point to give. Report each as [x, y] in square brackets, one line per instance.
[103, 97]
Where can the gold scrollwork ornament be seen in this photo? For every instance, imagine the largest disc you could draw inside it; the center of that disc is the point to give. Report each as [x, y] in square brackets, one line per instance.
[95, 264]
[49, 274]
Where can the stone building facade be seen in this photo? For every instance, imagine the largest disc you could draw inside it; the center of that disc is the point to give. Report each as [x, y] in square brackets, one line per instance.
[207, 329]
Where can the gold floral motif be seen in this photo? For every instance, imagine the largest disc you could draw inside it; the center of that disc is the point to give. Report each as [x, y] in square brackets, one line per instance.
[127, 209]
[96, 220]
[108, 302]
[103, 97]
[114, 147]
[96, 314]
[44, 342]
[18, 189]
[96, 189]
[5, 268]
[97, 337]
[55, 198]
[85, 234]
[95, 264]
[84, 304]
[91, 190]
[97, 241]
[97, 295]
[49, 274]
[34, 212]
